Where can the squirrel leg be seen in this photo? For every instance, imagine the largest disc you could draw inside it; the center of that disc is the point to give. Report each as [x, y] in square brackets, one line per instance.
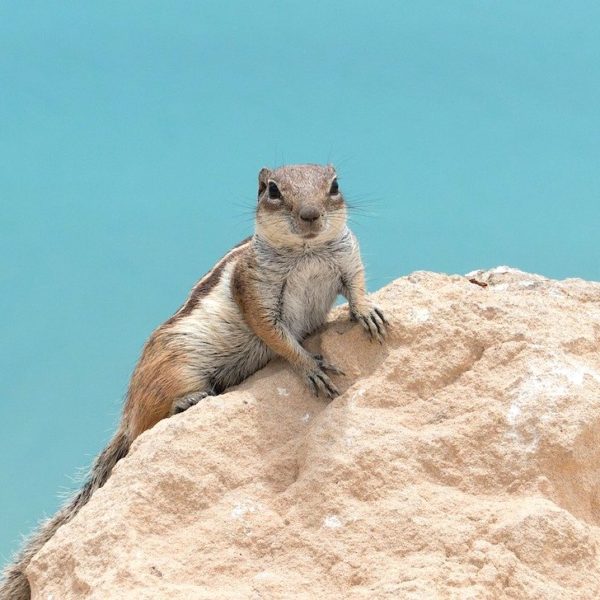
[182, 404]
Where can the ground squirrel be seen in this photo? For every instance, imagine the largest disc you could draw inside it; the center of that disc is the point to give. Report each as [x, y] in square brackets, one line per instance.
[259, 301]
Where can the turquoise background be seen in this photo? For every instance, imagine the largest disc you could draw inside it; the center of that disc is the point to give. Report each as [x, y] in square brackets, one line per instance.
[131, 134]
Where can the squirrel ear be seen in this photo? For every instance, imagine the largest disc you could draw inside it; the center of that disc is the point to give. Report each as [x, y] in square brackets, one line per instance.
[263, 178]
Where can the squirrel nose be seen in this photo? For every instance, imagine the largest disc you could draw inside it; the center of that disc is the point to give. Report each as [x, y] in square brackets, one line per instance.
[309, 214]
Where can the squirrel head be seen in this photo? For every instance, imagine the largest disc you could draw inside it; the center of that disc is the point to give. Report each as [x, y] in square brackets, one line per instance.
[299, 205]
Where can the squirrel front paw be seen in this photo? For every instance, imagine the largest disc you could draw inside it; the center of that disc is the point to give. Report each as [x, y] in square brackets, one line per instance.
[373, 321]
[318, 380]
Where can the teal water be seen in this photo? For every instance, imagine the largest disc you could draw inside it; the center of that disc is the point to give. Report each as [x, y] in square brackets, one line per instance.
[131, 134]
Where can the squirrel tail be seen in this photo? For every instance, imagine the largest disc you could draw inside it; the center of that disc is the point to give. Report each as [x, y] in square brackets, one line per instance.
[15, 585]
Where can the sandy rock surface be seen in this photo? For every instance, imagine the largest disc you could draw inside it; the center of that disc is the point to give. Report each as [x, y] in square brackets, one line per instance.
[461, 461]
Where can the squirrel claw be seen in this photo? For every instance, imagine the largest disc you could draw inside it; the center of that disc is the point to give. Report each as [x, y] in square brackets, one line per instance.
[321, 384]
[373, 322]
[324, 365]
[319, 380]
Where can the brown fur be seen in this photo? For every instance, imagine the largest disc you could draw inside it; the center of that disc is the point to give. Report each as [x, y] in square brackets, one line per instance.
[158, 379]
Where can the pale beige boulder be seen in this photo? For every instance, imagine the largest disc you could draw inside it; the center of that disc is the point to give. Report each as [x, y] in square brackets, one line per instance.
[462, 460]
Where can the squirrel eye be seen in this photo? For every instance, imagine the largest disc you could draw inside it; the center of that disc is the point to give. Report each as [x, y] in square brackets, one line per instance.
[274, 193]
[334, 190]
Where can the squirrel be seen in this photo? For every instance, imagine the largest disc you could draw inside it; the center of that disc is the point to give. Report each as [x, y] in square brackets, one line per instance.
[259, 301]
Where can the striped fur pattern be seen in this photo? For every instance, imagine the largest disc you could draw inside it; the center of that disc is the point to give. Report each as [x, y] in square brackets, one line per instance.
[260, 300]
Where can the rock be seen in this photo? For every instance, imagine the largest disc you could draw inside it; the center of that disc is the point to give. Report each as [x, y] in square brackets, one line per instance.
[461, 461]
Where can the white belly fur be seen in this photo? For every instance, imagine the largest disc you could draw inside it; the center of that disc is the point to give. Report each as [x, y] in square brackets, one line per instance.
[310, 291]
